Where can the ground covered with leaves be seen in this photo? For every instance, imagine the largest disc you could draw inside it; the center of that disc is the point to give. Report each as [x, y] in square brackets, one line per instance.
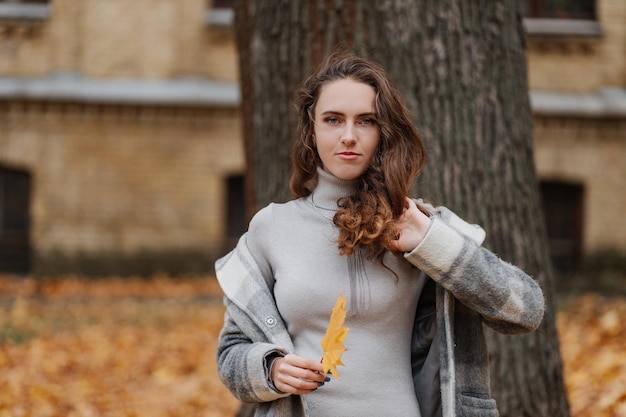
[146, 348]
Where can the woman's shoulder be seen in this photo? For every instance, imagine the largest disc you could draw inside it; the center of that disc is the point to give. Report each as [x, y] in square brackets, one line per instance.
[268, 215]
[268, 223]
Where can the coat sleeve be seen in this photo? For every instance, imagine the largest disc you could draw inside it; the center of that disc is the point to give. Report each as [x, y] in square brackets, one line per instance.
[508, 300]
[242, 363]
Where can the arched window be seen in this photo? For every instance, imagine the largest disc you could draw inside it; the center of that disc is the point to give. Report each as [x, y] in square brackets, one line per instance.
[236, 209]
[15, 188]
[563, 207]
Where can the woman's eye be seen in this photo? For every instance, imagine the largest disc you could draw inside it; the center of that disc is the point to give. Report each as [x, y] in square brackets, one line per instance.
[332, 120]
[367, 122]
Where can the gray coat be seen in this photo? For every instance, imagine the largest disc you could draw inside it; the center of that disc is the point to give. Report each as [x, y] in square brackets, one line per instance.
[470, 286]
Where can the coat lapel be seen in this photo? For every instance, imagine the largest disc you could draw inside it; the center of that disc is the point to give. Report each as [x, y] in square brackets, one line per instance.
[242, 282]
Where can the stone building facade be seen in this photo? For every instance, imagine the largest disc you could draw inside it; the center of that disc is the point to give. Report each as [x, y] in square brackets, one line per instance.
[120, 121]
[121, 151]
[577, 77]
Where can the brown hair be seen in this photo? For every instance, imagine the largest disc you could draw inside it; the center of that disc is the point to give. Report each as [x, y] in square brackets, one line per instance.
[367, 217]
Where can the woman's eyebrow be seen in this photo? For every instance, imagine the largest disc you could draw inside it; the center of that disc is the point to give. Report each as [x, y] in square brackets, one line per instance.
[338, 113]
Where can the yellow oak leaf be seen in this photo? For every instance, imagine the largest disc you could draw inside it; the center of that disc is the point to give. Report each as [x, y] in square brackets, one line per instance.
[332, 343]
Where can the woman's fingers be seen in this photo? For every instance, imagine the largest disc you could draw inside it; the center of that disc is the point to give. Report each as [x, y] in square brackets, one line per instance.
[296, 375]
[304, 363]
[412, 225]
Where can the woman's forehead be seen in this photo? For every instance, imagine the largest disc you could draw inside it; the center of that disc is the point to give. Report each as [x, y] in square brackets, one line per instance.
[346, 94]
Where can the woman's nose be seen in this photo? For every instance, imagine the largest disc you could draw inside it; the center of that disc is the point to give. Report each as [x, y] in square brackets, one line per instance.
[347, 136]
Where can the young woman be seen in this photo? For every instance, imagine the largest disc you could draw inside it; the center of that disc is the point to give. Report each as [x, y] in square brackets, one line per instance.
[419, 284]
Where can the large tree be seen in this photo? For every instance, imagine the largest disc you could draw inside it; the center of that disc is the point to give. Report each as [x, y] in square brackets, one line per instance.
[461, 67]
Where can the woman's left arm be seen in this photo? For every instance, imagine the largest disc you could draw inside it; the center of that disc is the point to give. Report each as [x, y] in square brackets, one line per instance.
[507, 298]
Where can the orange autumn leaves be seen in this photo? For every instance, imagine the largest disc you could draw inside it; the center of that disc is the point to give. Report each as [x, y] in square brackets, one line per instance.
[592, 333]
[332, 342]
[111, 348]
[146, 348]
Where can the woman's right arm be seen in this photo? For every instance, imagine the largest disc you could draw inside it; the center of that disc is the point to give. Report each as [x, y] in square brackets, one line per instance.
[243, 364]
[258, 371]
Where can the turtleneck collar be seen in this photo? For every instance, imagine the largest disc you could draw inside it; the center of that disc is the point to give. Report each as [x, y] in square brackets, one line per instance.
[329, 189]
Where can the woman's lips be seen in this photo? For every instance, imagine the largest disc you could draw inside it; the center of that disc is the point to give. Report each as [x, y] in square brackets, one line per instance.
[348, 155]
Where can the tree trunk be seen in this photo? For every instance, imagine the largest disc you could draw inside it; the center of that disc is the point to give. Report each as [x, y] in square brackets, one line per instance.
[462, 69]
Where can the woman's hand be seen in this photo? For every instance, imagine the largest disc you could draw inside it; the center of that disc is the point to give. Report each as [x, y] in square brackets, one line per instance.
[413, 225]
[297, 375]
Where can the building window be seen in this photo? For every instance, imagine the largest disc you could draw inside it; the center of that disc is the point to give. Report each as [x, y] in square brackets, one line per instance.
[24, 9]
[25, 1]
[222, 4]
[550, 18]
[560, 9]
[236, 209]
[563, 208]
[220, 13]
[15, 189]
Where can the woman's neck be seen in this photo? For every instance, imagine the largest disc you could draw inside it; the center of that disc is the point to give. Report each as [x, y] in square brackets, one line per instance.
[330, 189]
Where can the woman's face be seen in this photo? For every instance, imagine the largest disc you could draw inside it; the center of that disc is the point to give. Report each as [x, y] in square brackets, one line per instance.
[346, 132]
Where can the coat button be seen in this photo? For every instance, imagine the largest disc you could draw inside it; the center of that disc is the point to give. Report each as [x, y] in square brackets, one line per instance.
[270, 321]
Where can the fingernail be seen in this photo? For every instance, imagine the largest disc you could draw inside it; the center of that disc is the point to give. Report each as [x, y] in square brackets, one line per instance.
[320, 384]
[327, 379]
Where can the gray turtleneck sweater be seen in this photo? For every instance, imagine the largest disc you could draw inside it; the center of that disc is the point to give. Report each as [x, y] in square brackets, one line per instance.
[296, 244]
[281, 282]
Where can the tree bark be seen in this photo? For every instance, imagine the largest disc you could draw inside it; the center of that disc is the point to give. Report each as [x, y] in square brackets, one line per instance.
[461, 67]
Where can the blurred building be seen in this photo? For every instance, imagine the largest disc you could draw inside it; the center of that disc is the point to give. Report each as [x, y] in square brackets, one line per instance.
[576, 53]
[119, 131]
[120, 144]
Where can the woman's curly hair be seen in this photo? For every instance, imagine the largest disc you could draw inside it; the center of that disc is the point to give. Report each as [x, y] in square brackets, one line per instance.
[367, 218]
